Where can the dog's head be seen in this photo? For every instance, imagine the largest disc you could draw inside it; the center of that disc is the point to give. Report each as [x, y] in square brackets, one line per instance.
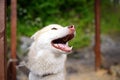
[54, 38]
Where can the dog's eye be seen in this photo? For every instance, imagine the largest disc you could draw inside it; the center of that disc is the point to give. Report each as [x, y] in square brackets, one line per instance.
[54, 28]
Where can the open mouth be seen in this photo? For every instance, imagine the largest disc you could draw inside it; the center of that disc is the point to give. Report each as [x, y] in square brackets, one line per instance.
[62, 43]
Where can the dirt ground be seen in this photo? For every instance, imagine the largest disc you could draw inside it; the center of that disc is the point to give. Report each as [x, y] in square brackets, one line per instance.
[78, 71]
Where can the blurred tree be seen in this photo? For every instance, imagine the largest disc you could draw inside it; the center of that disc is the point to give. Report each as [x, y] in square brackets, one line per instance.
[45, 9]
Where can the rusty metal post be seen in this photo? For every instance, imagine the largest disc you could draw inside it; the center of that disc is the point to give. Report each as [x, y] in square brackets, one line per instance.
[2, 41]
[97, 35]
[13, 39]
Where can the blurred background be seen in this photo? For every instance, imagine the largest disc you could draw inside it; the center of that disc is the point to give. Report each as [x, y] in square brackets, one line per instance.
[35, 14]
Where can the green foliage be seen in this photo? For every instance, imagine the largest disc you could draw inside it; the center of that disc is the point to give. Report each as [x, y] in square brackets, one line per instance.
[35, 14]
[48, 9]
[110, 17]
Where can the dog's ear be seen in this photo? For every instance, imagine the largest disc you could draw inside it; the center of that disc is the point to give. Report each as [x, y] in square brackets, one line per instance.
[35, 36]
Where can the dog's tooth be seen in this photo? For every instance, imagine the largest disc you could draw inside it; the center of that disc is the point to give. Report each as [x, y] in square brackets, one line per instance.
[67, 43]
[71, 47]
[56, 45]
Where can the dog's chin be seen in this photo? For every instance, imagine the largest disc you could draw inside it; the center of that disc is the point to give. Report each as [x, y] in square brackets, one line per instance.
[59, 51]
[60, 48]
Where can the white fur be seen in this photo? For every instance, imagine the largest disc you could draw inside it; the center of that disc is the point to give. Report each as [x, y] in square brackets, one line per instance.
[44, 58]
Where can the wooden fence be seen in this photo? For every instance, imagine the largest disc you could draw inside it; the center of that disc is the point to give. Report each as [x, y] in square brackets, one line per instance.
[3, 70]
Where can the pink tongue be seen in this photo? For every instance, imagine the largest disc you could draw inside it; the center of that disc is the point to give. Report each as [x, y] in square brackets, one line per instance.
[64, 47]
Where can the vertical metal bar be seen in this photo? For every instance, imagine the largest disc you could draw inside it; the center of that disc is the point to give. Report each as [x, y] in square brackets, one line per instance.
[2, 41]
[97, 35]
[13, 37]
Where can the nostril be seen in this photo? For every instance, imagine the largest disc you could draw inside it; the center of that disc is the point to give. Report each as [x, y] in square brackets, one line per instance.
[72, 26]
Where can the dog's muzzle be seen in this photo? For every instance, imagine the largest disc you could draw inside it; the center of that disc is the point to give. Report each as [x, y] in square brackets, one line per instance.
[62, 43]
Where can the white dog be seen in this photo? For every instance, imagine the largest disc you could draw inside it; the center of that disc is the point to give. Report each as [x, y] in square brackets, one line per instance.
[47, 54]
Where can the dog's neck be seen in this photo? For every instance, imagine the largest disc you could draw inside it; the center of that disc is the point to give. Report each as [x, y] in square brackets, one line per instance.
[46, 64]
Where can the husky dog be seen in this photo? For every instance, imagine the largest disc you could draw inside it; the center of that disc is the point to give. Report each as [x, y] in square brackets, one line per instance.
[47, 54]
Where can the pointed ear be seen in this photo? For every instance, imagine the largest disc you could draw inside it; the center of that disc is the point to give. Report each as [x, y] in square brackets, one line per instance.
[35, 36]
